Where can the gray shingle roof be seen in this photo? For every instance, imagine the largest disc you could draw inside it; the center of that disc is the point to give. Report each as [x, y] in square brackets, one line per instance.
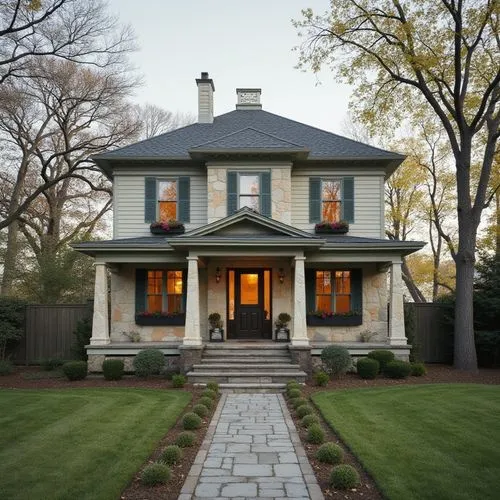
[247, 129]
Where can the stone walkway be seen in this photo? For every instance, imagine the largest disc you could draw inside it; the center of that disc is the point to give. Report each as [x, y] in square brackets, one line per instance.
[251, 450]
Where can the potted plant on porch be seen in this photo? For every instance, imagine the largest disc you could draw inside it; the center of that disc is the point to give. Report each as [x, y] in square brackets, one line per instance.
[282, 332]
[216, 331]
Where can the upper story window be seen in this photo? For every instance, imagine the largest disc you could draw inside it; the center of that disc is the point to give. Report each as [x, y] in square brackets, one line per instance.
[166, 199]
[331, 199]
[249, 189]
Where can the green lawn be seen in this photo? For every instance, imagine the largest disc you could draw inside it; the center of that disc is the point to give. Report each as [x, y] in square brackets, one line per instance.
[82, 443]
[422, 442]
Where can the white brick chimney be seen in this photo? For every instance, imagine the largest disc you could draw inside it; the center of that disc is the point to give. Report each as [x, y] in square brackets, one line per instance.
[248, 99]
[205, 99]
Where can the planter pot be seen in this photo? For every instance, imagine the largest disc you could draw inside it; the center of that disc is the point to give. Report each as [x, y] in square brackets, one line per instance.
[354, 320]
[216, 334]
[177, 320]
[329, 230]
[174, 230]
[282, 335]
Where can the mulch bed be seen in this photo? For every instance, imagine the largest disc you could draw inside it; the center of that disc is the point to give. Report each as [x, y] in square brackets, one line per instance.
[33, 378]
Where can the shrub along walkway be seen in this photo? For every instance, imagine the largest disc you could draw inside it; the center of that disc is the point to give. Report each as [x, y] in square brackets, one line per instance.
[251, 450]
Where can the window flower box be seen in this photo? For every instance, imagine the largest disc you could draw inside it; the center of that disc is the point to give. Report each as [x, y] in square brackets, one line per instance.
[326, 227]
[329, 319]
[170, 227]
[160, 319]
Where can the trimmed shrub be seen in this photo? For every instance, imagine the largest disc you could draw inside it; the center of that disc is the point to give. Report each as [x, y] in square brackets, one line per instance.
[344, 477]
[191, 421]
[315, 434]
[149, 362]
[368, 368]
[82, 333]
[112, 369]
[383, 356]
[213, 386]
[294, 393]
[418, 369]
[304, 410]
[75, 370]
[397, 369]
[6, 367]
[12, 313]
[171, 455]
[170, 372]
[208, 393]
[206, 402]
[330, 453]
[51, 364]
[336, 359]
[178, 380]
[291, 383]
[308, 420]
[156, 473]
[185, 439]
[321, 378]
[200, 410]
[299, 402]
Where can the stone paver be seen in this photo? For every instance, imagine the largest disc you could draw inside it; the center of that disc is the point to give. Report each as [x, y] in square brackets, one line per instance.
[251, 450]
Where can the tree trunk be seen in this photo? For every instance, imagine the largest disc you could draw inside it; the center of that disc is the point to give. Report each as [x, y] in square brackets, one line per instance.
[9, 265]
[415, 292]
[497, 234]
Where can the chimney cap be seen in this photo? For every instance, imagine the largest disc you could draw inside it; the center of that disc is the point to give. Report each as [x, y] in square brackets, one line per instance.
[248, 98]
[205, 79]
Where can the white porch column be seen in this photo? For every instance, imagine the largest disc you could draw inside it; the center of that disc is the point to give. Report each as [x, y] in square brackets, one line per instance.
[100, 323]
[299, 332]
[396, 309]
[192, 332]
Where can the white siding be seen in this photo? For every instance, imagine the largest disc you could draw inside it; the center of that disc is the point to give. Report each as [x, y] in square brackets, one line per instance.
[128, 192]
[368, 199]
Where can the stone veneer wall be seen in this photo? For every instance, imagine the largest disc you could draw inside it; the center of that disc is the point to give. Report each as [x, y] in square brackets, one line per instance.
[281, 188]
[123, 310]
[374, 312]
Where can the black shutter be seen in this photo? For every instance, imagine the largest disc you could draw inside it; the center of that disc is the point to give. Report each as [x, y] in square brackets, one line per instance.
[232, 193]
[314, 199]
[141, 277]
[348, 199]
[357, 290]
[310, 290]
[150, 200]
[265, 194]
[184, 199]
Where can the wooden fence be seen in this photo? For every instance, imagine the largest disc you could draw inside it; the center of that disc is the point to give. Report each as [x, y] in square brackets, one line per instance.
[433, 338]
[49, 331]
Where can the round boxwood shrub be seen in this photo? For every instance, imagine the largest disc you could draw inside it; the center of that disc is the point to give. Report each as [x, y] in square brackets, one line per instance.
[191, 421]
[208, 393]
[206, 402]
[213, 386]
[171, 455]
[397, 369]
[200, 410]
[178, 380]
[321, 378]
[344, 477]
[368, 368]
[315, 434]
[330, 453]
[6, 367]
[418, 369]
[51, 364]
[112, 369]
[185, 439]
[156, 473]
[304, 410]
[292, 384]
[383, 356]
[149, 362]
[308, 420]
[336, 359]
[75, 370]
[294, 393]
[296, 402]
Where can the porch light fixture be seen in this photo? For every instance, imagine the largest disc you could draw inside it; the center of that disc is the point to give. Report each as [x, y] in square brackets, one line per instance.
[281, 275]
[217, 275]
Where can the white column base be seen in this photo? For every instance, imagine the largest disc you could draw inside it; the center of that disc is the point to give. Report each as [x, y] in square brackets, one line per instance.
[300, 342]
[192, 342]
[100, 341]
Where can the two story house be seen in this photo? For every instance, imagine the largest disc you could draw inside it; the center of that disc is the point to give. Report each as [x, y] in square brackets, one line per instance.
[278, 216]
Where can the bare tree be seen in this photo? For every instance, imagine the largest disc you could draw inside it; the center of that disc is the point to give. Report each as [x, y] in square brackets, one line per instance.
[155, 120]
[75, 30]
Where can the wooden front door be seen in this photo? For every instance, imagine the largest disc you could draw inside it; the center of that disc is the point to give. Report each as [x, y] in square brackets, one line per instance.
[250, 315]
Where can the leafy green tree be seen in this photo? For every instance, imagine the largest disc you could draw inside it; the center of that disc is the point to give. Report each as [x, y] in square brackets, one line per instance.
[12, 312]
[442, 56]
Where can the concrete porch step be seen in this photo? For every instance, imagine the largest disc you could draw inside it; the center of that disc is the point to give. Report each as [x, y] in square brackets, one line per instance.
[257, 377]
[238, 360]
[248, 387]
[230, 366]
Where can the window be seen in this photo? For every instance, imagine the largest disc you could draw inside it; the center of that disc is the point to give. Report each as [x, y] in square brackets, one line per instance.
[164, 291]
[333, 291]
[167, 200]
[249, 191]
[331, 196]
[331, 199]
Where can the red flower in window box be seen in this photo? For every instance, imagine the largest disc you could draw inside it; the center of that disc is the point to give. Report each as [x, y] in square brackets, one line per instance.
[170, 227]
[340, 227]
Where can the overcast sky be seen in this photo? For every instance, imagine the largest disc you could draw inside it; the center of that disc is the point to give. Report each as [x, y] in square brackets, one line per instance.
[240, 44]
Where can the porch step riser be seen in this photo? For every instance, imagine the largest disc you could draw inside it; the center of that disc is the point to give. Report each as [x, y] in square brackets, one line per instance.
[239, 361]
[245, 353]
[245, 379]
[287, 367]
